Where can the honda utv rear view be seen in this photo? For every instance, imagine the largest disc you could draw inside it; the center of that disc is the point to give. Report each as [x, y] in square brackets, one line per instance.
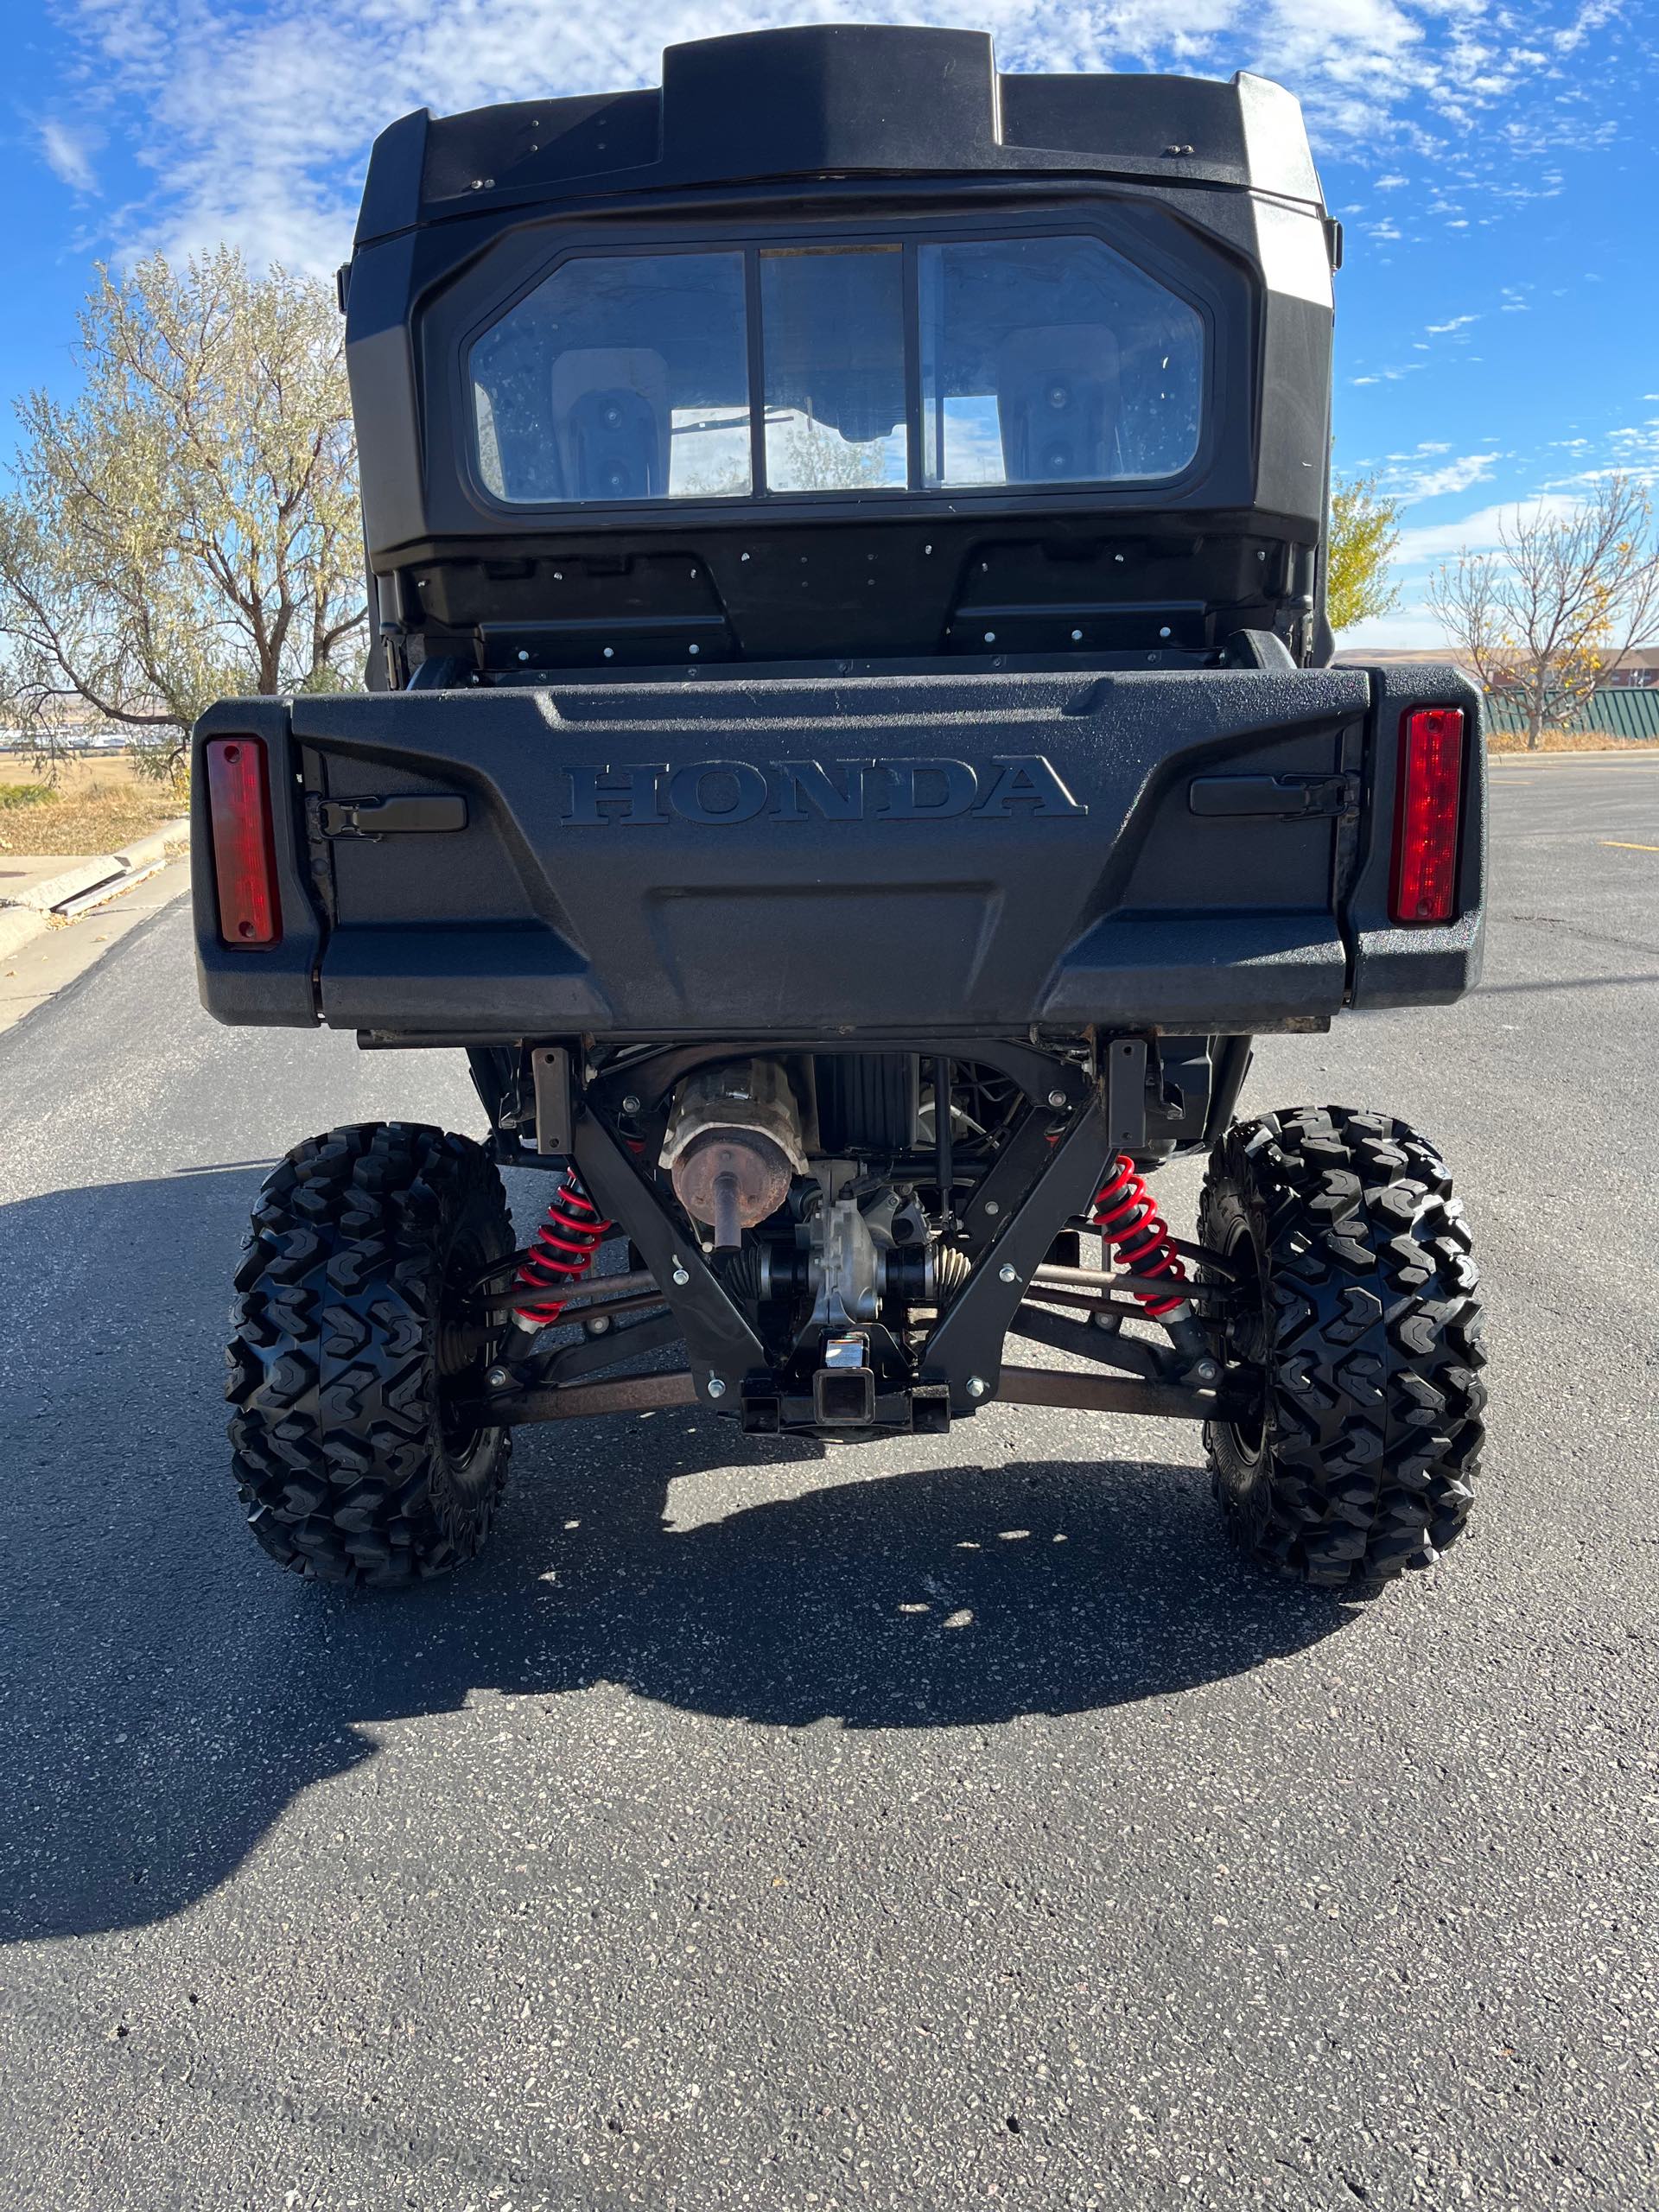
[851, 757]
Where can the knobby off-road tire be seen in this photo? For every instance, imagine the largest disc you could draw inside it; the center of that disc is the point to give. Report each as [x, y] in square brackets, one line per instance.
[1365, 1347]
[350, 1343]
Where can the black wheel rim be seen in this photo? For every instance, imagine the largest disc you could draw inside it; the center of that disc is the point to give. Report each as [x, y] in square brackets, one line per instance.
[1245, 1350]
[465, 1348]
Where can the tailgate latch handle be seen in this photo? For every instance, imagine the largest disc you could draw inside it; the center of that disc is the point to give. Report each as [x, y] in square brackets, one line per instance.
[1286, 798]
[413, 814]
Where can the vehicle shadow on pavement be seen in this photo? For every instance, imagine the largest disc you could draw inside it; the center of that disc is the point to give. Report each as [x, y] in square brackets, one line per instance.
[170, 1690]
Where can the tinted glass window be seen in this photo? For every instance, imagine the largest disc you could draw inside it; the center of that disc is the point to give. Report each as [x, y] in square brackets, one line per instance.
[1053, 361]
[1044, 361]
[623, 378]
[832, 326]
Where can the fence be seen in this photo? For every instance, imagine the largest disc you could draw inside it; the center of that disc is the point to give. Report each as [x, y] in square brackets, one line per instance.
[1632, 714]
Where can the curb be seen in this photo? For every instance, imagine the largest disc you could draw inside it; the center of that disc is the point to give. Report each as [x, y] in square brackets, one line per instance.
[64, 897]
[143, 852]
[1540, 759]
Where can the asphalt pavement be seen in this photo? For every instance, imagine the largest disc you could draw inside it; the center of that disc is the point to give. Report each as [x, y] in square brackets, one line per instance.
[954, 1823]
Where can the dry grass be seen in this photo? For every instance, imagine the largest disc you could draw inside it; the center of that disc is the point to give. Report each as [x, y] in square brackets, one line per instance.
[76, 771]
[94, 809]
[1565, 741]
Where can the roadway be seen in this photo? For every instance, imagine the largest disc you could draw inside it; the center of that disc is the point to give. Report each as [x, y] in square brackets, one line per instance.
[945, 1824]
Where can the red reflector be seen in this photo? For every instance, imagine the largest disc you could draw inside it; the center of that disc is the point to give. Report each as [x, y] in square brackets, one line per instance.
[1426, 824]
[245, 855]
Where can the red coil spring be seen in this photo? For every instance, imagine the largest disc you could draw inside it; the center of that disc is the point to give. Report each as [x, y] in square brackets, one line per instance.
[560, 1254]
[1136, 1230]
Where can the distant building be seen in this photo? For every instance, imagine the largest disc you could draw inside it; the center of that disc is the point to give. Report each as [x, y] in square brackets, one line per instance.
[1639, 670]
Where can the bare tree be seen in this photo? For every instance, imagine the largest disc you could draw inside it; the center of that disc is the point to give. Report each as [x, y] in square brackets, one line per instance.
[1551, 614]
[187, 525]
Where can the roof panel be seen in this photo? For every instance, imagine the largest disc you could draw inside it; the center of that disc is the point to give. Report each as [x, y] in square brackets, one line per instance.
[838, 100]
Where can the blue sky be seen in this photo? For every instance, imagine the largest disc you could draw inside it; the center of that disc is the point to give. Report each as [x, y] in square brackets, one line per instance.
[1497, 168]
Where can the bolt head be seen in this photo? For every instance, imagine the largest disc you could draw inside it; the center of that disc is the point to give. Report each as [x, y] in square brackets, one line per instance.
[498, 1378]
[1057, 1098]
[631, 1104]
[991, 1207]
[975, 1386]
[716, 1388]
[597, 1323]
[1207, 1371]
[680, 1277]
[1008, 1275]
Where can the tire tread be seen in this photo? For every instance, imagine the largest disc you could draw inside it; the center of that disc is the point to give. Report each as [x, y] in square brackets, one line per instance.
[1374, 1411]
[335, 1429]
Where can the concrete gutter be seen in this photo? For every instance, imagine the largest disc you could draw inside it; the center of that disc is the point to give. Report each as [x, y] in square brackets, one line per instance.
[74, 890]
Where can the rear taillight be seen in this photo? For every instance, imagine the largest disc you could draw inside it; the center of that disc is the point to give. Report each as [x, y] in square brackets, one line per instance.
[245, 854]
[1424, 874]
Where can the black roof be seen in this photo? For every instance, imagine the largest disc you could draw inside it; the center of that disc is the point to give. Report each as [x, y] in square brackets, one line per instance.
[837, 100]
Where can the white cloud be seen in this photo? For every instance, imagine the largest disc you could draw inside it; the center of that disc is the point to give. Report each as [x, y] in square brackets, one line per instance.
[1391, 183]
[69, 154]
[1457, 322]
[254, 121]
[1408, 629]
[1590, 17]
[1415, 483]
[1480, 532]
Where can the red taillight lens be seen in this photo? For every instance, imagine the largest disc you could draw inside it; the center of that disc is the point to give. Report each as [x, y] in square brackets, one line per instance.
[1426, 824]
[245, 855]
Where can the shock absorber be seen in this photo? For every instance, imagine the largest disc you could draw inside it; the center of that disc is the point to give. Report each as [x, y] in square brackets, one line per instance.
[1137, 1232]
[560, 1254]
[1134, 1230]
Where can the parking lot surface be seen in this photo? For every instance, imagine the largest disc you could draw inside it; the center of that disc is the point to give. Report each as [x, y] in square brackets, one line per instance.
[941, 1823]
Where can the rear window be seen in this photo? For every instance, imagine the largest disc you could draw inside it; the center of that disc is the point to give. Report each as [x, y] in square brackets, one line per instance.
[1032, 360]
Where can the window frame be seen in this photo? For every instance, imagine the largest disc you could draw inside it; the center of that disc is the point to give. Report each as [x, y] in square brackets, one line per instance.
[1179, 274]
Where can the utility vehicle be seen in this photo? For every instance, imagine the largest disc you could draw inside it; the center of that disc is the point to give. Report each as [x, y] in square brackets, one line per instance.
[851, 756]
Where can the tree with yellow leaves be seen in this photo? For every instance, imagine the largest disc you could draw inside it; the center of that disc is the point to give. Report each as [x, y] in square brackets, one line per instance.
[1363, 533]
[187, 525]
